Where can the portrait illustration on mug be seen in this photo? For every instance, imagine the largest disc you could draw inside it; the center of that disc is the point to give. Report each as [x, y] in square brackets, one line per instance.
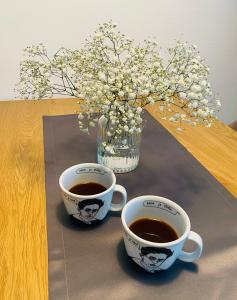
[88, 210]
[152, 258]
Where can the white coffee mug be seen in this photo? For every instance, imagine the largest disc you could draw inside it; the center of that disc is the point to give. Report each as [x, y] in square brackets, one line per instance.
[158, 256]
[90, 208]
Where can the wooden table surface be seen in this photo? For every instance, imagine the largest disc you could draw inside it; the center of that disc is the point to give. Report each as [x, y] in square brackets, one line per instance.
[23, 234]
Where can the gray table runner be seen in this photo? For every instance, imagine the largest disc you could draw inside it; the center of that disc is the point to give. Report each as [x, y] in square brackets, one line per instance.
[91, 262]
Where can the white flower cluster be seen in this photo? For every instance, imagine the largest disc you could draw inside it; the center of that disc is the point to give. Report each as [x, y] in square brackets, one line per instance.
[188, 87]
[117, 77]
[35, 80]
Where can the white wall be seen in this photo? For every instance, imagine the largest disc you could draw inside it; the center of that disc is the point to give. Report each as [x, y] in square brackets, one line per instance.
[211, 25]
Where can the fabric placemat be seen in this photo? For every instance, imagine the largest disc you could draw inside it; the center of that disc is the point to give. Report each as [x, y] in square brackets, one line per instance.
[91, 262]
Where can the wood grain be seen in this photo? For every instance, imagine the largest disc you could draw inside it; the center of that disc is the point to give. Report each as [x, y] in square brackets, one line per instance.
[215, 148]
[23, 234]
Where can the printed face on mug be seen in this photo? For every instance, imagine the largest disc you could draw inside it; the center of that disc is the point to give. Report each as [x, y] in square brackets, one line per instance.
[89, 208]
[155, 231]
[87, 191]
[152, 258]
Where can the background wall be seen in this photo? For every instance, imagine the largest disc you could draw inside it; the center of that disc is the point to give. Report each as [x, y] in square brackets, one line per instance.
[211, 25]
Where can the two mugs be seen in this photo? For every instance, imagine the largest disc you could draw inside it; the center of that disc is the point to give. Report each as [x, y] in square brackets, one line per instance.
[87, 191]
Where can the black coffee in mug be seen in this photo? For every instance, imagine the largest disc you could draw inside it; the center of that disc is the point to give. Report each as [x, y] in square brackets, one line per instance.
[90, 188]
[153, 230]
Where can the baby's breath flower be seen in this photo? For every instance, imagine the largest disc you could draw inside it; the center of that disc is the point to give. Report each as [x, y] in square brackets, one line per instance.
[125, 127]
[80, 116]
[117, 77]
[139, 110]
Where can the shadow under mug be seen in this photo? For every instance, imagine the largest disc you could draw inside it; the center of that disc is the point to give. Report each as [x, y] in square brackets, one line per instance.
[90, 208]
[158, 256]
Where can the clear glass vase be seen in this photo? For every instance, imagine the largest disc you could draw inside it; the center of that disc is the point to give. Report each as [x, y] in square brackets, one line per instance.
[125, 150]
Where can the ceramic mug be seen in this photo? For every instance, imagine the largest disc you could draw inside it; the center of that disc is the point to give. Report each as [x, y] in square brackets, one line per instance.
[158, 256]
[90, 208]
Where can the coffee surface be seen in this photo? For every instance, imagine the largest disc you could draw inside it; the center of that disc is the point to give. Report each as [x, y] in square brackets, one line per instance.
[90, 188]
[153, 230]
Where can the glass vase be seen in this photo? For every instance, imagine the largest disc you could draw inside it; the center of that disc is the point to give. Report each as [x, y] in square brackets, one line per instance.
[124, 156]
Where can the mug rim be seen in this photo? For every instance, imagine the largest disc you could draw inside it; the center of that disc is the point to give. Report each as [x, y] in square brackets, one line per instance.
[87, 165]
[153, 244]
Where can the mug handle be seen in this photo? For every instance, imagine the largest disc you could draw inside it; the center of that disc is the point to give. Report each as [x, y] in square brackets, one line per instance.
[192, 256]
[122, 191]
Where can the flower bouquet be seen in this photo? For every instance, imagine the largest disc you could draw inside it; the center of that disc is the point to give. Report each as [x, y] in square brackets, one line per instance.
[115, 78]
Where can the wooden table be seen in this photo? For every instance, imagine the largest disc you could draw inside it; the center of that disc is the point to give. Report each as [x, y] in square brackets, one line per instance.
[23, 234]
